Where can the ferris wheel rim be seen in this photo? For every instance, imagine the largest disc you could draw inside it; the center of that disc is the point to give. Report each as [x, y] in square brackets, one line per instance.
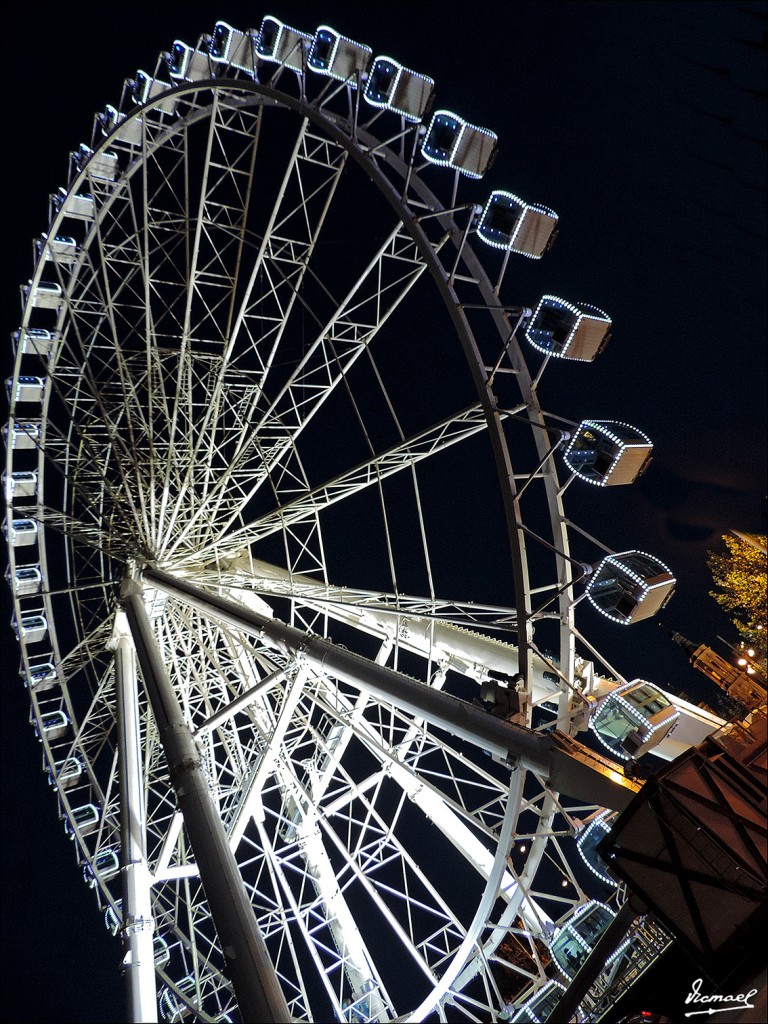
[353, 145]
[300, 106]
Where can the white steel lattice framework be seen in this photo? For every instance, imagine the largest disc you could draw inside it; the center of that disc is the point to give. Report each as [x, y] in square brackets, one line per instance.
[253, 371]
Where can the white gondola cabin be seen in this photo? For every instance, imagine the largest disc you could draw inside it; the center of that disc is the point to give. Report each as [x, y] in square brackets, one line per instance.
[79, 206]
[577, 936]
[160, 951]
[54, 725]
[25, 580]
[568, 330]
[144, 89]
[40, 676]
[338, 57]
[632, 719]
[172, 1007]
[229, 46]
[538, 1008]
[35, 341]
[127, 130]
[608, 453]
[84, 819]
[282, 44]
[630, 586]
[588, 841]
[185, 63]
[104, 165]
[21, 533]
[31, 627]
[396, 88]
[66, 774]
[26, 388]
[453, 142]
[20, 484]
[510, 223]
[113, 917]
[105, 865]
[60, 249]
[44, 295]
[25, 434]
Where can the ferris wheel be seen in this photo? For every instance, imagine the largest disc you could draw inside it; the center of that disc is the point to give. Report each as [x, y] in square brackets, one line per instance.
[271, 424]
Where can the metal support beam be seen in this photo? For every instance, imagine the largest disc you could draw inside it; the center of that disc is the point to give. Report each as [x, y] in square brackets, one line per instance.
[248, 964]
[138, 926]
[565, 763]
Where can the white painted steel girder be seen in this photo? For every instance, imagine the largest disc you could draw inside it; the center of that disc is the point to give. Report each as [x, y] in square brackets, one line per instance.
[569, 767]
[138, 924]
[474, 654]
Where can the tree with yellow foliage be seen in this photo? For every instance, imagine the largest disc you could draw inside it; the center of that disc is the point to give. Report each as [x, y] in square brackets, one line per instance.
[740, 574]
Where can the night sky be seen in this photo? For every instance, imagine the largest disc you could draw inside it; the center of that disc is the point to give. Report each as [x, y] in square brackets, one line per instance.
[643, 126]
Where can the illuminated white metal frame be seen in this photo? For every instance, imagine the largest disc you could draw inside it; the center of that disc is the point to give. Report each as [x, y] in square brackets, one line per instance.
[192, 540]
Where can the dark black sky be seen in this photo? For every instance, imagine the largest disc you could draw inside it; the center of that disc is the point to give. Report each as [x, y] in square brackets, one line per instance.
[643, 125]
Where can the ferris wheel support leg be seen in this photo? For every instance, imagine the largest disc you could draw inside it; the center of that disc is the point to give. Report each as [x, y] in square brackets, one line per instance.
[138, 926]
[248, 963]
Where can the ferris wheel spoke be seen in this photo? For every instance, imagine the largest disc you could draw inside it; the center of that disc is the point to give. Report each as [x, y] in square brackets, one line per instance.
[289, 782]
[91, 718]
[127, 283]
[93, 437]
[285, 252]
[436, 788]
[443, 800]
[416, 624]
[539, 835]
[436, 809]
[321, 909]
[169, 288]
[285, 716]
[272, 435]
[104, 457]
[140, 275]
[333, 964]
[374, 298]
[245, 574]
[258, 323]
[443, 810]
[404, 456]
[181, 912]
[408, 903]
[282, 919]
[88, 534]
[368, 847]
[215, 235]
